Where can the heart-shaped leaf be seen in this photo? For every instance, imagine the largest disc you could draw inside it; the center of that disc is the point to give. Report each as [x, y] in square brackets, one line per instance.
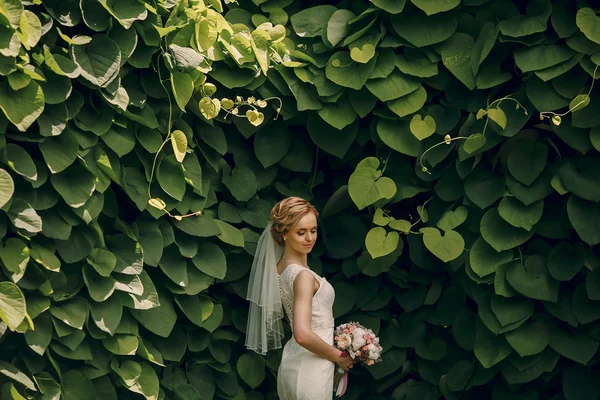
[589, 23]
[209, 108]
[397, 135]
[251, 368]
[7, 187]
[366, 184]
[533, 284]
[344, 71]
[337, 26]
[500, 234]
[410, 103]
[519, 215]
[381, 243]
[333, 141]
[529, 339]
[180, 144]
[255, 117]
[311, 21]
[474, 143]
[99, 60]
[498, 116]
[22, 107]
[129, 371]
[585, 218]
[12, 305]
[435, 6]
[391, 6]
[489, 348]
[103, 261]
[422, 128]
[564, 262]
[183, 87]
[484, 260]
[456, 56]
[578, 347]
[363, 55]
[484, 187]
[579, 102]
[452, 219]
[401, 225]
[15, 255]
[380, 219]
[422, 30]
[393, 86]
[447, 247]
[527, 160]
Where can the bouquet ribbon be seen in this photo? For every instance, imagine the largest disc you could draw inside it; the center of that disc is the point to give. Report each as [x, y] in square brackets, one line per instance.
[342, 385]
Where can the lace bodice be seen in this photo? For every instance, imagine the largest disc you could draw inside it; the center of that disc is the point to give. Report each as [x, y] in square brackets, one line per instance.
[322, 304]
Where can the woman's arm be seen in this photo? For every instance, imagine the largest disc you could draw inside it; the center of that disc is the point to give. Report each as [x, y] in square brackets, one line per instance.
[304, 335]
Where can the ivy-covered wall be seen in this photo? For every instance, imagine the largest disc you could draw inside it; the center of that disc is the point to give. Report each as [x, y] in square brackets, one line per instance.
[451, 147]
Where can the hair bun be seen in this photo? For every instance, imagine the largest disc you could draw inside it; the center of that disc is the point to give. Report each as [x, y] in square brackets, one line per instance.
[286, 214]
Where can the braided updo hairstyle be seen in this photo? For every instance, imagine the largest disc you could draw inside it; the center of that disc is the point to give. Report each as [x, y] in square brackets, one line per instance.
[286, 214]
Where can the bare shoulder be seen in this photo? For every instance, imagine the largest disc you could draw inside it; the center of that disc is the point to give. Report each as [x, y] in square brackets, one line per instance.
[303, 281]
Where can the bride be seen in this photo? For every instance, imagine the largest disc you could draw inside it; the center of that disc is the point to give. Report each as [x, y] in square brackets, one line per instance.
[280, 278]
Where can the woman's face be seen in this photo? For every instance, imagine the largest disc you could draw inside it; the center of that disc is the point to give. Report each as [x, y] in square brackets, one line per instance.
[303, 235]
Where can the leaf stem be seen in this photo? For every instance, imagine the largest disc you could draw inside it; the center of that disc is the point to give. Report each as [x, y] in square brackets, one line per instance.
[385, 164]
[423, 168]
[168, 128]
[546, 114]
[312, 181]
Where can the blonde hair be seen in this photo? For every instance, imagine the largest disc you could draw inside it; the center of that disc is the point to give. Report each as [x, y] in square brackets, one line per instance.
[286, 214]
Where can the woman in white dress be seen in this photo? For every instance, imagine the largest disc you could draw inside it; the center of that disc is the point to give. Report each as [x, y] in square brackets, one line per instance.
[281, 279]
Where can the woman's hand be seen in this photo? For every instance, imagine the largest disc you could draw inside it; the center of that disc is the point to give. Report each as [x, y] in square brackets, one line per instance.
[345, 362]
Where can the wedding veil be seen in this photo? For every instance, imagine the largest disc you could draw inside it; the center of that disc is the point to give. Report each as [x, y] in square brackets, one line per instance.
[264, 330]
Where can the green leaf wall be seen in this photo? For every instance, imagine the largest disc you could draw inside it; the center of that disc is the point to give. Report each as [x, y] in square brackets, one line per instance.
[450, 146]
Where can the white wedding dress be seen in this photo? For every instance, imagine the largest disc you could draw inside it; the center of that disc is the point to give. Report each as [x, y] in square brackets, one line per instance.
[302, 374]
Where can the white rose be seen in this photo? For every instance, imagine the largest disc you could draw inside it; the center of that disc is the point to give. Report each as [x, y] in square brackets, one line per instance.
[373, 351]
[359, 332]
[358, 342]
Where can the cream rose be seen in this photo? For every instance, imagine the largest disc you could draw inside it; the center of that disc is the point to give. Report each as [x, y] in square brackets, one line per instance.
[344, 341]
[359, 332]
[358, 342]
[373, 351]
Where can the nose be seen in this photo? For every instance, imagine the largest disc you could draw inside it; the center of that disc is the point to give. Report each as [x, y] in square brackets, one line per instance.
[309, 238]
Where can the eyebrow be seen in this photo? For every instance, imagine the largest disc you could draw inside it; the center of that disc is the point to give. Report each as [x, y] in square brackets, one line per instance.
[303, 229]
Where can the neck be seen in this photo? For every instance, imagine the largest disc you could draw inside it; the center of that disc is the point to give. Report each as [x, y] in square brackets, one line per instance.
[290, 253]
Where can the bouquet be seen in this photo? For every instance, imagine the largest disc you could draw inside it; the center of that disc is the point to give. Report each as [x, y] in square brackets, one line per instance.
[359, 343]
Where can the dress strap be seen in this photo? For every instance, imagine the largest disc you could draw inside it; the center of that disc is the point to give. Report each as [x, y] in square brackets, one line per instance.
[294, 270]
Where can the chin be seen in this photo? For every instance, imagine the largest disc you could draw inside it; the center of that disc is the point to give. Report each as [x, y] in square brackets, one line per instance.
[305, 250]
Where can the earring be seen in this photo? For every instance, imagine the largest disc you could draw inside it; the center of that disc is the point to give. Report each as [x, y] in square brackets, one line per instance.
[284, 238]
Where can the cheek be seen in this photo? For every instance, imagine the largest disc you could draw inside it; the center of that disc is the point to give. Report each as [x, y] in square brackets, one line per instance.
[298, 239]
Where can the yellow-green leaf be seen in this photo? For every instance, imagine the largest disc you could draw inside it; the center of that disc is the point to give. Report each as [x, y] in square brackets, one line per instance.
[180, 143]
